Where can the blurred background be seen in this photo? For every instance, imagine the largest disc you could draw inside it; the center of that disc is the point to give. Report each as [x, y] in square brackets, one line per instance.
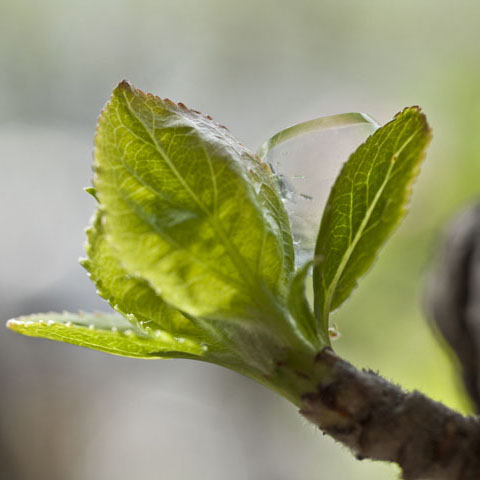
[258, 67]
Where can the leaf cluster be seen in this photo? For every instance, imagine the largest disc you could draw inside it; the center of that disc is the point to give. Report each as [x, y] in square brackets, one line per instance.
[192, 247]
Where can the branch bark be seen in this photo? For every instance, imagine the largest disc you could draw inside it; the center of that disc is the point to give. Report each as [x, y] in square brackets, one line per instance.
[378, 420]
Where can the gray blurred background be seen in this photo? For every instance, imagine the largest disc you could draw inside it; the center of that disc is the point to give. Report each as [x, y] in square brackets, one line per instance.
[258, 67]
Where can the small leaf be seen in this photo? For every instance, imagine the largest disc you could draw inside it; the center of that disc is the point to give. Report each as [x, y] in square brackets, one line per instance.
[190, 210]
[110, 333]
[300, 308]
[367, 201]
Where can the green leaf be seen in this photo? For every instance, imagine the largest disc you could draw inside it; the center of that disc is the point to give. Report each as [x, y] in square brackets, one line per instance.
[131, 296]
[110, 333]
[190, 210]
[367, 201]
[300, 308]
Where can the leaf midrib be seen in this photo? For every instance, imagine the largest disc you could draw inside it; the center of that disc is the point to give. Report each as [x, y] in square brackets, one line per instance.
[249, 278]
[162, 233]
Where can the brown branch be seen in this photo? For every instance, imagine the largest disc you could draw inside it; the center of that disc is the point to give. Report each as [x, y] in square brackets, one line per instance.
[378, 420]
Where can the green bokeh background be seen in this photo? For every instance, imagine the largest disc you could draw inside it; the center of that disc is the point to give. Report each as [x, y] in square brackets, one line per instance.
[258, 67]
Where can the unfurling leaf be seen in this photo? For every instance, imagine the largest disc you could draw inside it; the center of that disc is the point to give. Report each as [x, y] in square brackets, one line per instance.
[300, 307]
[191, 243]
[367, 201]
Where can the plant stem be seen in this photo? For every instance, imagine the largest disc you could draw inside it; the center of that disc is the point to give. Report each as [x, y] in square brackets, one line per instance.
[378, 420]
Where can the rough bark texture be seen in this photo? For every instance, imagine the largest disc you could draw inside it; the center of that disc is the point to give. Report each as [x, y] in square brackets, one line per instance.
[378, 420]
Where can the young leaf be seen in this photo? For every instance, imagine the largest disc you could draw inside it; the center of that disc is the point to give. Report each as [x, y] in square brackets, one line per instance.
[106, 332]
[190, 210]
[367, 201]
[300, 308]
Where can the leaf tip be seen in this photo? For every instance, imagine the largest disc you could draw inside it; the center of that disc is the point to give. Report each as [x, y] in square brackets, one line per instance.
[415, 110]
[15, 325]
[125, 85]
[407, 110]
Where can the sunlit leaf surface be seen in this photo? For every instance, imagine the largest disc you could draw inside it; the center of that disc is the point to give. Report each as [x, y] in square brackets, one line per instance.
[189, 209]
[367, 201]
[107, 332]
[132, 296]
